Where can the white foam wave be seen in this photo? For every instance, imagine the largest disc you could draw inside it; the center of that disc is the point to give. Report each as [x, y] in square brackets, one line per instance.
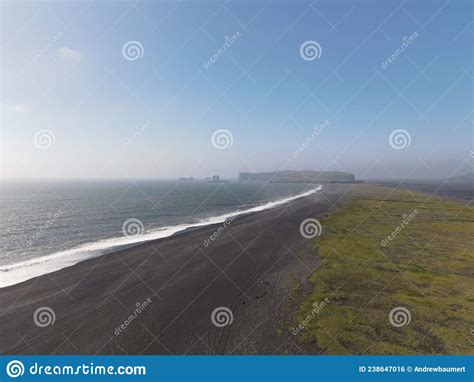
[18, 272]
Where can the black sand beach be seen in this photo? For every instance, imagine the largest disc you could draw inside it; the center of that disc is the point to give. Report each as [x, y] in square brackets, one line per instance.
[254, 268]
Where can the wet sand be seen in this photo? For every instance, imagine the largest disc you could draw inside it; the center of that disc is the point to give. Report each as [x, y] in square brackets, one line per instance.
[257, 267]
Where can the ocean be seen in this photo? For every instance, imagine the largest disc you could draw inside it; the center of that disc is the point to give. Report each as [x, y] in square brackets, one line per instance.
[49, 225]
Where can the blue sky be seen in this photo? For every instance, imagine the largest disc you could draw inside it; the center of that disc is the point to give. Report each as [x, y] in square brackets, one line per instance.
[64, 72]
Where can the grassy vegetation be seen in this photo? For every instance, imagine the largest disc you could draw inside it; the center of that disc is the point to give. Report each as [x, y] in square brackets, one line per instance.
[427, 268]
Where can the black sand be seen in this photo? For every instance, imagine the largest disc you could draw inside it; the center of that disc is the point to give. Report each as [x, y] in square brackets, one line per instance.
[256, 267]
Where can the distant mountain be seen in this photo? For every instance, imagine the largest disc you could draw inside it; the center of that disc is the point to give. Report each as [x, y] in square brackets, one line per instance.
[298, 177]
[466, 178]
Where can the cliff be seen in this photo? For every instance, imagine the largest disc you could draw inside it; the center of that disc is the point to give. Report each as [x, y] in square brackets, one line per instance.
[466, 178]
[298, 177]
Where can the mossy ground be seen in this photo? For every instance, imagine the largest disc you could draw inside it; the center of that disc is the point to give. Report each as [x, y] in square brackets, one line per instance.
[427, 268]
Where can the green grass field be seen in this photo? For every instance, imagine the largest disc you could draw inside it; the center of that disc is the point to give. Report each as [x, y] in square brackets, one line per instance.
[427, 268]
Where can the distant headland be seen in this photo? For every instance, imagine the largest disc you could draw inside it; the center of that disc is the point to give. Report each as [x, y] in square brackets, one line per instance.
[466, 178]
[299, 177]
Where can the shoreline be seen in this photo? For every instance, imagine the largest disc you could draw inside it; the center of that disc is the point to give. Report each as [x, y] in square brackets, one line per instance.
[14, 274]
[252, 268]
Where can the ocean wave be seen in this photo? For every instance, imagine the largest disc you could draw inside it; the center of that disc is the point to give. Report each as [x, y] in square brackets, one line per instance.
[22, 271]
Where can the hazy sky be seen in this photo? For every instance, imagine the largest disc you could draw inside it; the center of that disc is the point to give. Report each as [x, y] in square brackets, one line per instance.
[76, 102]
